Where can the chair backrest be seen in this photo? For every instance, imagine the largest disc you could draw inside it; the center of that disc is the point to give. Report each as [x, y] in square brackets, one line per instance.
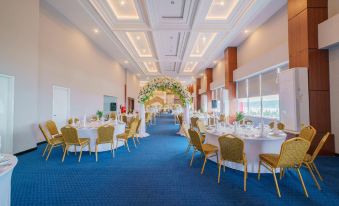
[271, 124]
[105, 133]
[133, 128]
[124, 119]
[112, 115]
[51, 127]
[70, 120]
[70, 135]
[185, 127]
[280, 126]
[130, 121]
[194, 121]
[44, 134]
[222, 118]
[320, 146]
[231, 148]
[195, 139]
[201, 126]
[211, 121]
[180, 118]
[293, 152]
[138, 126]
[308, 133]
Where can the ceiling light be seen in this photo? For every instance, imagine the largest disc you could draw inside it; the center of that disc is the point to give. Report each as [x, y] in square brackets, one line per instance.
[222, 3]
[204, 39]
[144, 51]
[246, 31]
[215, 62]
[126, 62]
[202, 74]
[122, 3]
[138, 37]
[138, 74]
[96, 31]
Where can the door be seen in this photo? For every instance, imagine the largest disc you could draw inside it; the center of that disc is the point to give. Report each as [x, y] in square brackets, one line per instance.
[61, 105]
[6, 113]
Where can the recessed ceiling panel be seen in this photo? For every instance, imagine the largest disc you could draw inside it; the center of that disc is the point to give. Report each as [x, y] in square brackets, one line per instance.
[221, 9]
[190, 66]
[140, 43]
[202, 43]
[124, 9]
[151, 67]
[171, 8]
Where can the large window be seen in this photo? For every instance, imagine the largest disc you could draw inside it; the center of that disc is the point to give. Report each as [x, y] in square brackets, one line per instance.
[258, 96]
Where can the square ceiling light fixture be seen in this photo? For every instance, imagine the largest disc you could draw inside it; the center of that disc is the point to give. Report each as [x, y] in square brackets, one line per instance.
[190, 66]
[140, 43]
[124, 9]
[202, 43]
[151, 67]
[221, 9]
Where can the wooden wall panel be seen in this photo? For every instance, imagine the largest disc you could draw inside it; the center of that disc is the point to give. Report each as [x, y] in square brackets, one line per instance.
[198, 85]
[231, 64]
[209, 80]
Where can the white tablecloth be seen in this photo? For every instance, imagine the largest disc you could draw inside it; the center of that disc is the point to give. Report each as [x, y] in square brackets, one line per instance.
[254, 145]
[6, 171]
[92, 133]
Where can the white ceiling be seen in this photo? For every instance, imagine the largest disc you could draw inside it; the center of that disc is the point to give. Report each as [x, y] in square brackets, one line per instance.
[176, 38]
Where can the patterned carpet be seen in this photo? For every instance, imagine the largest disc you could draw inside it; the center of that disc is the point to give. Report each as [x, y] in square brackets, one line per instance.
[157, 173]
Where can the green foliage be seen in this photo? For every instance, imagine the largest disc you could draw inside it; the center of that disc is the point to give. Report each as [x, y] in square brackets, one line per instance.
[100, 114]
[239, 116]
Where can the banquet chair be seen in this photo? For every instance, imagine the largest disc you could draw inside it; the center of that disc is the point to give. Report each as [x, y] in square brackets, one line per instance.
[148, 118]
[280, 126]
[208, 150]
[129, 134]
[222, 118]
[70, 120]
[124, 119]
[185, 128]
[113, 115]
[291, 155]
[71, 137]
[308, 133]
[232, 149]
[51, 142]
[137, 135]
[52, 129]
[202, 130]
[105, 135]
[194, 122]
[309, 160]
[271, 125]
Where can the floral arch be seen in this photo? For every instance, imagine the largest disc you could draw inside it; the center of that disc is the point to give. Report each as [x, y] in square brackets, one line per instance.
[164, 83]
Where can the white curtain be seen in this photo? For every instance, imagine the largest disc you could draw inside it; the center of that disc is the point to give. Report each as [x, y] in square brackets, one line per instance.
[142, 132]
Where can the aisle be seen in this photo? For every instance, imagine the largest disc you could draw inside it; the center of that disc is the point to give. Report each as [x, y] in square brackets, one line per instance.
[155, 173]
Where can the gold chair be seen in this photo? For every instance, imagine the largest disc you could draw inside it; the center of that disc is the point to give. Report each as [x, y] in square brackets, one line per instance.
[71, 137]
[291, 155]
[124, 119]
[113, 115]
[309, 160]
[148, 118]
[51, 143]
[187, 136]
[70, 120]
[308, 133]
[271, 125]
[129, 133]
[280, 126]
[52, 129]
[105, 135]
[208, 150]
[232, 149]
[202, 130]
[194, 122]
[137, 135]
[222, 118]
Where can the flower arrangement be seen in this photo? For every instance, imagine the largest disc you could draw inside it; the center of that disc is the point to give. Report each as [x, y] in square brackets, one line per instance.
[239, 116]
[100, 114]
[163, 84]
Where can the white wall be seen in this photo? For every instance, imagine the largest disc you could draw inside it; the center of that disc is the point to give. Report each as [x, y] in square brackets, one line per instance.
[19, 29]
[264, 48]
[333, 9]
[69, 59]
[132, 88]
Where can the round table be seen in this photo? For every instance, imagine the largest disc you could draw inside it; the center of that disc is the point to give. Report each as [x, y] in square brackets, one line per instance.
[92, 133]
[6, 170]
[254, 145]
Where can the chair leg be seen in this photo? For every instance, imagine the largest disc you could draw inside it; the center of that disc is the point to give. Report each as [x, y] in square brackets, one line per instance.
[96, 152]
[89, 148]
[66, 151]
[219, 167]
[302, 182]
[259, 170]
[80, 154]
[224, 166]
[43, 154]
[192, 158]
[203, 166]
[317, 171]
[281, 173]
[138, 139]
[245, 177]
[112, 149]
[188, 148]
[75, 150]
[127, 145]
[135, 145]
[312, 174]
[276, 182]
[49, 152]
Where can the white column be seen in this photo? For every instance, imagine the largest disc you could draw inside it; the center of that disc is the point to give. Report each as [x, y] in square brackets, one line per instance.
[142, 132]
[187, 114]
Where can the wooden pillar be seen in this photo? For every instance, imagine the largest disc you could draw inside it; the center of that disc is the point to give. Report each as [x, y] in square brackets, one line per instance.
[197, 94]
[209, 80]
[230, 55]
[303, 19]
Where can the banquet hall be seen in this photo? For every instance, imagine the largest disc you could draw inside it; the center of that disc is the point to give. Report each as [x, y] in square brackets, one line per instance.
[169, 102]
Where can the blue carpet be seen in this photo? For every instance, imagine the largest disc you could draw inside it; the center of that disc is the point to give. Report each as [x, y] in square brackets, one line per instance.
[157, 173]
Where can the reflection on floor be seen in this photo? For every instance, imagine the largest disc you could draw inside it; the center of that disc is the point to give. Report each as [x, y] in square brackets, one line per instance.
[157, 173]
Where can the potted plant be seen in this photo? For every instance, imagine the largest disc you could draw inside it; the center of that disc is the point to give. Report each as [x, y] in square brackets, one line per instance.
[239, 117]
[100, 114]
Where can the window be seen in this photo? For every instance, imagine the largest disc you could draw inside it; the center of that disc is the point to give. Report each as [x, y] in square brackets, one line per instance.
[270, 106]
[254, 106]
[242, 105]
